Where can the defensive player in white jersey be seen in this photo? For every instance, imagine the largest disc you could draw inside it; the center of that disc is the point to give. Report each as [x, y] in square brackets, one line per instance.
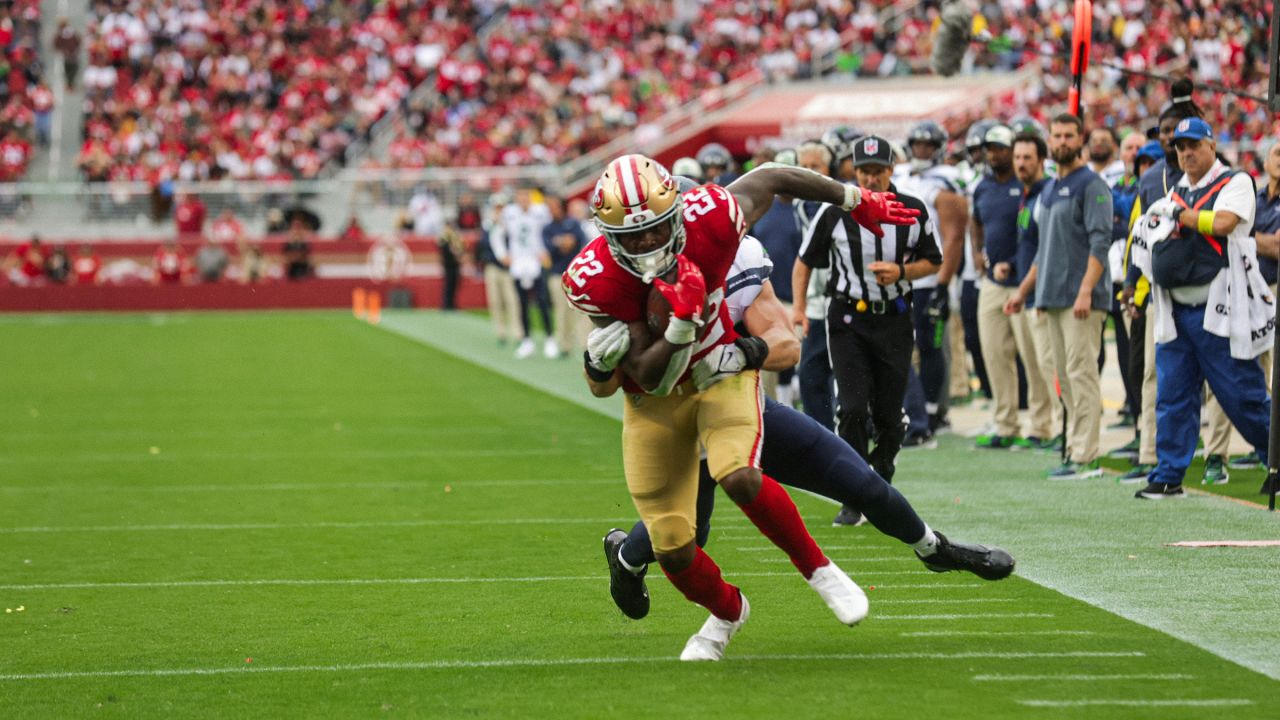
[797, 451]
[519, 247]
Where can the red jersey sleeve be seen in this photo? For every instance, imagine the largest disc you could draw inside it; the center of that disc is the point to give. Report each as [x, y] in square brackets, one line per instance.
[595, 284]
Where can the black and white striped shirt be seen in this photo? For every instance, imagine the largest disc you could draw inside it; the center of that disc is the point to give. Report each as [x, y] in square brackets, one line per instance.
[826, 244]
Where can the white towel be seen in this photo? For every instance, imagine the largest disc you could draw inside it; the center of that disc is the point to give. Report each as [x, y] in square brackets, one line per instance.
[1240, 308]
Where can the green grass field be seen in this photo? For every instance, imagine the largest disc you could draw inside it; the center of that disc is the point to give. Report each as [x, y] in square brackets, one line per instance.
[301, 515]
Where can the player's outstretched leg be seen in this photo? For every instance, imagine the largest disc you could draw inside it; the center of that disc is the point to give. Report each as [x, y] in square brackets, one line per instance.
[773, 512]
[988, 563]
[698, 578]
[801, 453]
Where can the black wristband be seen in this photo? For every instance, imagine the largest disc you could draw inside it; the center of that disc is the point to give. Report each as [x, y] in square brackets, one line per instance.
[902, 272]
[595, 375]
[755, 349]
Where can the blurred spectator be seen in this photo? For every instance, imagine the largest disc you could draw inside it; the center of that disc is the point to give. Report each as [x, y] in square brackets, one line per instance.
[563, 238]
[469, 217]
[451, 251]
[253, 266]
[25, 265]
[67, 42]
[354, 231]
[425, 214]
[169, 263]
[86, 266]
[41, 98]
[189, 216]
[297, 252]
[57, 267]
[211, 262]
[227, 229]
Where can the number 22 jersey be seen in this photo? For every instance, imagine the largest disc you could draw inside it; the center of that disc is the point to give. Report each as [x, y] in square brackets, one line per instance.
[714, 225]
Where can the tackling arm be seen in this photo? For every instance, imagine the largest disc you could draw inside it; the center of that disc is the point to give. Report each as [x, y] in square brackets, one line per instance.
[767, 319]
[953, 216]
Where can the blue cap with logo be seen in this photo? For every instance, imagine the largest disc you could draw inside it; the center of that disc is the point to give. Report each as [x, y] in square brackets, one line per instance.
[1193, 129]
[1153, 150]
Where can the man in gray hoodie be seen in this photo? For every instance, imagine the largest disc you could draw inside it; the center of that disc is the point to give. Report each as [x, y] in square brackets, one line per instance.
[1070, 280]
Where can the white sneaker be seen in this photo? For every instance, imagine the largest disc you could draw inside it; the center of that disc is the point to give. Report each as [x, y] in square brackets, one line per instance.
[525, 350]
[841, 594]
[714, 637]
[550, 349]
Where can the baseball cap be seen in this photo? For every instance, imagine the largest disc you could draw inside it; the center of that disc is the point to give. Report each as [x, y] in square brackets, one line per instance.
[1193, 129]
[1001, 135]
[872, 150]
[1152, 149]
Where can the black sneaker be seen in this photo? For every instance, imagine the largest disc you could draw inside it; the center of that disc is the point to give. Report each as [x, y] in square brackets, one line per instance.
[1245, 462]
[627, 588]
[1160, 491]
[987, 563]
[848, 517]
[1128, 451]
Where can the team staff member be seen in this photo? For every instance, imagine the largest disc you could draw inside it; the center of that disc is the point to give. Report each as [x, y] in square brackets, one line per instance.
[1072, 285]
[1214, 208]
[996, 202]
[869, 327]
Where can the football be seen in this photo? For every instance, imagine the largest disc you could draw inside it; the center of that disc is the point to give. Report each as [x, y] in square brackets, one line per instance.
[659, 312]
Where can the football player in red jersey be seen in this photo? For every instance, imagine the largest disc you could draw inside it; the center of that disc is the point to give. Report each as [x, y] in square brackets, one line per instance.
[651, 232]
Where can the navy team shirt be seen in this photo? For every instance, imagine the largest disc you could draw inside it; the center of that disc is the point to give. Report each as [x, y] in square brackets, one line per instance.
[996, 205]
[1267, 220]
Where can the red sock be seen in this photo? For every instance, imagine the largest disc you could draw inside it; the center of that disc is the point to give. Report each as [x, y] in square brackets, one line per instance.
[701, 583]
[776, 516]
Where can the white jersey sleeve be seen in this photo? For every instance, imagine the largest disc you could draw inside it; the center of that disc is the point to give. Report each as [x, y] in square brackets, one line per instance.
[751, 267]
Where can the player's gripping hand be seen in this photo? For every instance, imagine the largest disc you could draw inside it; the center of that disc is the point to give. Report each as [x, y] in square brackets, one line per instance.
[746, 353]
[686, 297]
[875, 209]
[606, 346]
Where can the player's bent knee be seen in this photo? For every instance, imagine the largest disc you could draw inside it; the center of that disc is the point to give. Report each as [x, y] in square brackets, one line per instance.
[670, 533]
[742, 485]
[677, 560]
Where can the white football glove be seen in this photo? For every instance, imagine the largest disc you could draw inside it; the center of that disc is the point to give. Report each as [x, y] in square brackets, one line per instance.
[727, 360]
[1164, 207]
[606, 346]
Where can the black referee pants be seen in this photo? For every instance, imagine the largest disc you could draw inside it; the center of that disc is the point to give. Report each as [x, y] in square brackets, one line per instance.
[870, 357]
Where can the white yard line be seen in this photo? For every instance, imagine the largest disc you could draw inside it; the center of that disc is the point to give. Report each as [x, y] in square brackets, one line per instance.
[1080, 678]
[525, 662]
[306, 486]
[966, 616]
[771, 548]
[1190, 702]
[991, 633]
[145, 455]
[842, 561]
[313, 525]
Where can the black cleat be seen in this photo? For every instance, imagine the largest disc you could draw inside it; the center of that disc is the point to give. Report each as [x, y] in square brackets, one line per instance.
[848, 517]
[627, 588]
[987, 563]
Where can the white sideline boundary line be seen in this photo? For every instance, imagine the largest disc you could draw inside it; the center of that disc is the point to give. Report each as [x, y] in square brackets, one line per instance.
[311, 526]
[842, 561]
[770, 548]
[1191, 703]
[991, 633]
[510, 663]
[1081, 678]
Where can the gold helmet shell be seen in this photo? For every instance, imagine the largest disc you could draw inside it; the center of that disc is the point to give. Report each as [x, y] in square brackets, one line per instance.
[634, 194]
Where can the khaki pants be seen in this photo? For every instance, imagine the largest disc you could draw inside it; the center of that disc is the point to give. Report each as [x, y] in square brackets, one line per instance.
[504, 307]
[1075, 350]
[1043, 351]
[1004, 338]
[959, 368]
[1147, 420]
[571, 325]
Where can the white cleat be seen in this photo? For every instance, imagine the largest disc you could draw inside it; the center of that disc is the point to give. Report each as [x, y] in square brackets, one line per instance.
[550, 349]
[525, 349]
[841, 594]
[709, 644]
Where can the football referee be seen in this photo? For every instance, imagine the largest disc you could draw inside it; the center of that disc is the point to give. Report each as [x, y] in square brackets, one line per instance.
[869, 329]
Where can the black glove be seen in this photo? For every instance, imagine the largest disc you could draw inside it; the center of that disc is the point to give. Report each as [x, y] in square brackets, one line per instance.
[755, 349]
[939, 307]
